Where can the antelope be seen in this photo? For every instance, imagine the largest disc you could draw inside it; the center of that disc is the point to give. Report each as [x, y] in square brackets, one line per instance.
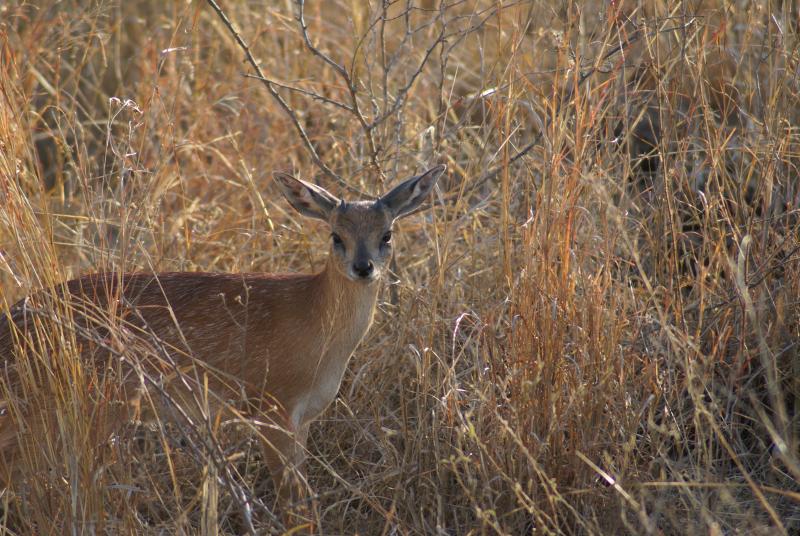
[284, 340]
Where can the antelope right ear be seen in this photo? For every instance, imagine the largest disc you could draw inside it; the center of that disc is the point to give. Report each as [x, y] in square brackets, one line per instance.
[409, 194]
[307, 199]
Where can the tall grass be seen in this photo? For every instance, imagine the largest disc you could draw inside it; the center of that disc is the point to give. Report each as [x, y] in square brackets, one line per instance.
[594, 329]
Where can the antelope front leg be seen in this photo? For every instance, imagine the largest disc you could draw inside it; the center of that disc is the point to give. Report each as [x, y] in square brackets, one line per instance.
[284, 453]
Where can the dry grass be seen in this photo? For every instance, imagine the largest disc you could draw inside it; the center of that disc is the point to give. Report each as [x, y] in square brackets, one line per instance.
[594, 331]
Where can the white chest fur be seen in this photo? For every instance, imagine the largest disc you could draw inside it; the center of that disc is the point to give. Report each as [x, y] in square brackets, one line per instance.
[330, 362]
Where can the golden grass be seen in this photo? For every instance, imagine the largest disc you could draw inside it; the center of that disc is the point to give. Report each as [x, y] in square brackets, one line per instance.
[593, 331]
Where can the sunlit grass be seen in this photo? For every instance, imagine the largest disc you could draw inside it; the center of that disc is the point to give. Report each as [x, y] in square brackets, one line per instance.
[594, 330]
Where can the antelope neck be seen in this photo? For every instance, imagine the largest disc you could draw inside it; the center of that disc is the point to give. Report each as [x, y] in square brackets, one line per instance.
[336, 292]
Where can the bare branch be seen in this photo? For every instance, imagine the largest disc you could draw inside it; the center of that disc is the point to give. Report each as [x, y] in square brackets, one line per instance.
[271, 87]
[348, 81]
[315, 96]
[404, 91]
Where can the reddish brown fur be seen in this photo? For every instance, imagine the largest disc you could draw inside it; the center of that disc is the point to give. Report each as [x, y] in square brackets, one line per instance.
[234, 326]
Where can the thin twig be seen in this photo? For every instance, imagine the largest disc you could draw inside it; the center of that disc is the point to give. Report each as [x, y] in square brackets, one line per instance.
[351, 88]
[314, 96]
[271, 87]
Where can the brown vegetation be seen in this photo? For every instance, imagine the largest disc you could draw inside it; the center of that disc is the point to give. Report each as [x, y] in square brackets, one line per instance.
[601, 336]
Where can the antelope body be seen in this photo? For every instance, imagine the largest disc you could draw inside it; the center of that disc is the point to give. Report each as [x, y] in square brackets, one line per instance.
[282, 340]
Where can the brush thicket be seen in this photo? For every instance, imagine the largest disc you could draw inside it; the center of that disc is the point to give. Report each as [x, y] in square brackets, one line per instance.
[601, 336]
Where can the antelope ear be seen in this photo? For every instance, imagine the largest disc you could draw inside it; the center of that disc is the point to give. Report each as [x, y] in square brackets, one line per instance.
[409, 194]
[307, 199]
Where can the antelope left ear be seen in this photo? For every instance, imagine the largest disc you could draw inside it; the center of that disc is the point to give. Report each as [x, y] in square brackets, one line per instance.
[409, 194]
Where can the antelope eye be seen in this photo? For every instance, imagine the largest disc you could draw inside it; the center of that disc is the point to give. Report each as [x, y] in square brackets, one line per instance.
[387, 237]
[337, 240]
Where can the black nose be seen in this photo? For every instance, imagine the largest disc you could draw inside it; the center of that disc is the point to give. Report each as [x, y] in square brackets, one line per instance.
[363, 268]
